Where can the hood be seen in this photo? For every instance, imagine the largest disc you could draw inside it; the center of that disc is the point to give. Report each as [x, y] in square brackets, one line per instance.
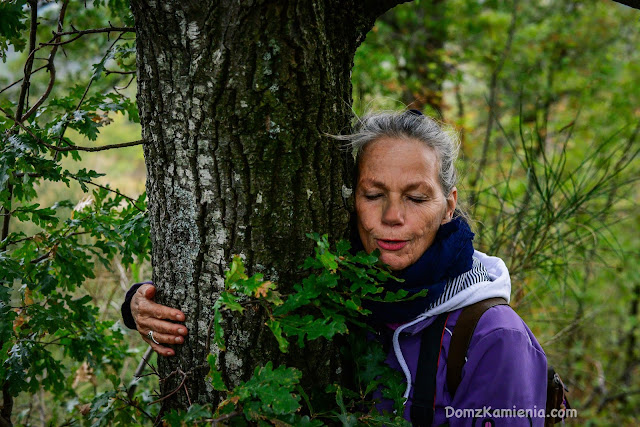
[497, 285]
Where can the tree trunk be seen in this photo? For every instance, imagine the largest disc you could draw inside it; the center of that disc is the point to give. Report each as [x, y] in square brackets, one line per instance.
[236, 100]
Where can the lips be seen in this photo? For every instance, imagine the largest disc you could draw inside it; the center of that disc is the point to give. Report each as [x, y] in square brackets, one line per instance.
[391, 245]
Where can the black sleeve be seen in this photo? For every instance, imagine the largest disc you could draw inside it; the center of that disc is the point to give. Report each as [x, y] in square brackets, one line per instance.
[127, 317]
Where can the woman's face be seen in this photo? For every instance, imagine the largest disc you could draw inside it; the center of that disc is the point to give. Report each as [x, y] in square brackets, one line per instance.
[399, 201]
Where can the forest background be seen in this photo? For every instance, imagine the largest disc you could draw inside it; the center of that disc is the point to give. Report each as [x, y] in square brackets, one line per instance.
[543, 94]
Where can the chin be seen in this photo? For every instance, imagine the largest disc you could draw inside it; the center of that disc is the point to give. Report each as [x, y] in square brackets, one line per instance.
[394, 263]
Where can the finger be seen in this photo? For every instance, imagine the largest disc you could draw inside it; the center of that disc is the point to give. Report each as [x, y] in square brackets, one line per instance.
[162, 326]
[165, 338]
[158, 311]
[162, 351]
[148, 291]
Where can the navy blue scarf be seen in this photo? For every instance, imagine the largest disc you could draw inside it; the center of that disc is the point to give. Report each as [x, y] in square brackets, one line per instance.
[449, 256]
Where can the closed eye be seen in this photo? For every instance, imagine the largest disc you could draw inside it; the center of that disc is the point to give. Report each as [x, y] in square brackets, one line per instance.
[417, 199]
[373, 196]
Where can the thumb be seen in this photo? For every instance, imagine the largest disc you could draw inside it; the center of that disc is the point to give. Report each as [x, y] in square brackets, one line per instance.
[149, 292]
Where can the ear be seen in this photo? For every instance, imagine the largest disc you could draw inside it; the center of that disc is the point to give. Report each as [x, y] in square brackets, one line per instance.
[452, 201]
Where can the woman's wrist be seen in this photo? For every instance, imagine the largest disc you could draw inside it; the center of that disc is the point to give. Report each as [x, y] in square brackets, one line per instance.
[125, 309]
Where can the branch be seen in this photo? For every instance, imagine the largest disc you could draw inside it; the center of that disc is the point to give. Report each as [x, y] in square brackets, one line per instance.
[492, 105]
[175, 390]
[107, 72]
[41, 258]
[78, 33]
[33, 4]
[138, 372]
[41, 234]
[51, 66]
[102, 148]
[133, 202]
[22, 78]
[97, 30]
[7, 214]
[70, 147]
[84, 95]
[216, 421]
[615, 397]
[130, 402]
[117, 89]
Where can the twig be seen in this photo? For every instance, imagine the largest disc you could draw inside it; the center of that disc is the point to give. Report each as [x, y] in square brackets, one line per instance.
[110, 29]
[117, 89]
[138, 371]
[56, 44]
[24, 239]
[107, 72]
[51, 66]
[45, 256]
[492, 105]
[66, 124]
[130, 402]
[22, 78]
[84, 95]
[175, 390]
[108, 189]
[70, 147]
[93, 149]
[33, 29]
[215, 421]
[615, 397]
[7, 213]
[186, 391]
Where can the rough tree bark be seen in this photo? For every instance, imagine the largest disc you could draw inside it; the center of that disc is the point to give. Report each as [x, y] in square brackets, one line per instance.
[236, 99]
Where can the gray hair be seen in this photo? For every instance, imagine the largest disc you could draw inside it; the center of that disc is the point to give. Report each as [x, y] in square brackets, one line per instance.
[409, 125]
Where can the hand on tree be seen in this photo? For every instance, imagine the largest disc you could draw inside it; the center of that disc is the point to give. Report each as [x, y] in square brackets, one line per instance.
[158, 318]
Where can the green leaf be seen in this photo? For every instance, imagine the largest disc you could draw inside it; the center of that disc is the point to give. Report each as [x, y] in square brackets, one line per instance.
[216, 376]
[230, 302]
[276, 329]
[270, 391]
[13, 16]
[218, 331]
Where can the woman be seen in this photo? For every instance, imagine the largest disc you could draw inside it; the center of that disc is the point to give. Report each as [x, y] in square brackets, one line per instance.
[406, 207]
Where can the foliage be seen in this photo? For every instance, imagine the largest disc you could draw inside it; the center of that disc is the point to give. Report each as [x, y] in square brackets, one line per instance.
[549, 130]
[53, 337]
[330, 296]
[548, 121]
[328, 301]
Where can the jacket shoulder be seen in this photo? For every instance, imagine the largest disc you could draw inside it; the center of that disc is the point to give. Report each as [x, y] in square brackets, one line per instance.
[502, 318]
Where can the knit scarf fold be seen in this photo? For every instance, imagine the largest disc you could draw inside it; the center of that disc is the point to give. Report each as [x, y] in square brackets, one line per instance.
[450, 255]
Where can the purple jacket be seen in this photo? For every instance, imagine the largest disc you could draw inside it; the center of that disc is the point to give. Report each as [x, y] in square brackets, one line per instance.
[506, 369]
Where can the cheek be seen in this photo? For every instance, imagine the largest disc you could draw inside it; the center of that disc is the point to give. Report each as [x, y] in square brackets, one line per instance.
[427, 222]
[365, 223]
[365, 216]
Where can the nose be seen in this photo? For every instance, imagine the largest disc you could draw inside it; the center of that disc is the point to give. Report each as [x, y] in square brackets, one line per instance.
[393, 213]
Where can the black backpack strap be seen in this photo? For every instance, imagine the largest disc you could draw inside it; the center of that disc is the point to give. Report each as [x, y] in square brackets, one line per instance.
[424, 390]
[461, 337]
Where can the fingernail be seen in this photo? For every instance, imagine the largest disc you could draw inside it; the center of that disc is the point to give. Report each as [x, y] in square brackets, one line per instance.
[178, 316]
[169, 353]
[182, 331]
[178, 339]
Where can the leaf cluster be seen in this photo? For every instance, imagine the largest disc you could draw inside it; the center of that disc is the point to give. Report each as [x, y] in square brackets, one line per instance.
[330, 300]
